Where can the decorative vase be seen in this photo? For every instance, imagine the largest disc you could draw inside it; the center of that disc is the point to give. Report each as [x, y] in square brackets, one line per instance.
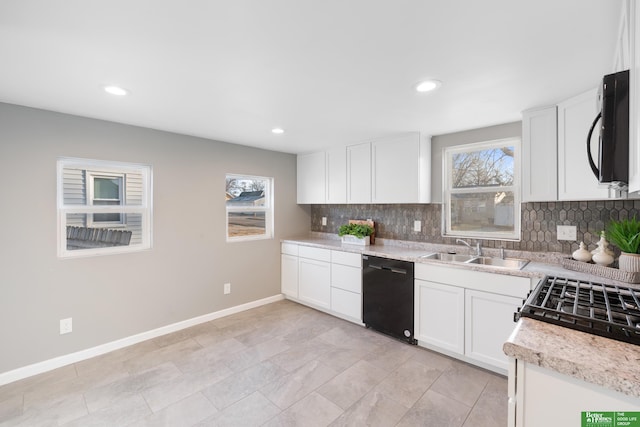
[353, 240]
[582, 254]
[602, 258]
[629, 262]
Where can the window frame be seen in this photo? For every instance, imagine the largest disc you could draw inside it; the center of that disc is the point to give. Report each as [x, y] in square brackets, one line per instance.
[102, 168]
[91, 198]
[267, 208]
[448, 191]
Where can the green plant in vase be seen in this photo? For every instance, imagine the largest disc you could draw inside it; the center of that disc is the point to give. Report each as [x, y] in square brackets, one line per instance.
[355, 233]
[625, 234]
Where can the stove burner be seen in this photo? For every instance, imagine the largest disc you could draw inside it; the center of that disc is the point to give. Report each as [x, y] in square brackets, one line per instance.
[606, 310]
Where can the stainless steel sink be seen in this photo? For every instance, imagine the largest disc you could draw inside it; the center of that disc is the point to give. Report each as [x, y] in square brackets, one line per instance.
[509, 263]
[512, 263]
[449, 257]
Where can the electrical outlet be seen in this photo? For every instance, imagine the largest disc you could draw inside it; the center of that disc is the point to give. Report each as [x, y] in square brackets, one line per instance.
[66, 326]
[227, 288]
[324, 220]
[567, 232]
[417, 225]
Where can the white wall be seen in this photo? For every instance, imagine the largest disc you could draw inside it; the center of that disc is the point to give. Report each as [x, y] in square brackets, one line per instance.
[116, 296]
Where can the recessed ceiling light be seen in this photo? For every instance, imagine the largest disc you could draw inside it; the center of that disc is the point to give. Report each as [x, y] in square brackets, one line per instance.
[277, 130]
[428, 85]
[116, 90]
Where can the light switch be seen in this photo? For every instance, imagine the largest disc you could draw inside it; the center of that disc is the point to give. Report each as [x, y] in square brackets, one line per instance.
[417, 225]
[324, 220]
[567, 232]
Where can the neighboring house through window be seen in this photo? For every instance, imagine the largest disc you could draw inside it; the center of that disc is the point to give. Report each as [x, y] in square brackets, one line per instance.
[249, 204]
[481, 191]
[103, 207]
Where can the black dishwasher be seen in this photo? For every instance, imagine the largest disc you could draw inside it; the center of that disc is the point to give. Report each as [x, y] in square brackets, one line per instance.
[387, 297]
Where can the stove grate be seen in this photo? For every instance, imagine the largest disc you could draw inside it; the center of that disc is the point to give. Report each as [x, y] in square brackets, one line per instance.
[607, 310]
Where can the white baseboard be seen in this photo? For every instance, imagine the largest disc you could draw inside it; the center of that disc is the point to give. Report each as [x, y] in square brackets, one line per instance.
[68, 359]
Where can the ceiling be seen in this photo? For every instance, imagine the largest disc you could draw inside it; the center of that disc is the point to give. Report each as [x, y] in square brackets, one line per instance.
[328, 72]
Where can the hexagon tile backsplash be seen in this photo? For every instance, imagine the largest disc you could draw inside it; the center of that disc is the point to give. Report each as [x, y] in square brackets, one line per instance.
[539, 221]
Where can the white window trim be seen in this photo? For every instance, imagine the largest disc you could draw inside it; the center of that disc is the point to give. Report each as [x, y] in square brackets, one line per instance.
[448, 191]
[267, 208]
[111, 167]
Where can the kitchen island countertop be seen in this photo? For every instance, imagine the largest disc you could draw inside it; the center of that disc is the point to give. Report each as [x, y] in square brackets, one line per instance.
[609, 363]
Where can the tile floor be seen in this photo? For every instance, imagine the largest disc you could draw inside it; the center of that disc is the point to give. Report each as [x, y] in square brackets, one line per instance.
[281, 364]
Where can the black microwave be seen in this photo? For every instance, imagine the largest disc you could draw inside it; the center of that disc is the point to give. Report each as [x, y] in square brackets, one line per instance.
[613, 148]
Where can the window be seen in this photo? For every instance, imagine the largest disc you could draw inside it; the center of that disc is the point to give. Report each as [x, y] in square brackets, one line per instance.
[103, 207]
[249, 201]
[106, 190]
[481, 190]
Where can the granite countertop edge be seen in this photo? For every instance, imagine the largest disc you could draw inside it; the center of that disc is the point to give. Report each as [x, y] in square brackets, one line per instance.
[609, 363]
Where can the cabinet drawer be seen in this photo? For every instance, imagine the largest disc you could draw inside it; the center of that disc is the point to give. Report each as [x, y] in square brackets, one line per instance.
[347, 303]
[289, 249]
[347, 278]
[314, 253]
[346, 258]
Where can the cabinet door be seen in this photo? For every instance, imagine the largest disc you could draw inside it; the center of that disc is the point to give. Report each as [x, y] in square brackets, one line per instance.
[488, 324]
[540, 155]
[289, 275]
[439, 315]
[311, 178]
[576, 181]
[347, 278]
[396, 168]
[314, 285]
[337, 175]
[359, 173]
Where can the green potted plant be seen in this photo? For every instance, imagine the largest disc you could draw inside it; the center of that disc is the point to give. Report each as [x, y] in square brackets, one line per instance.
[625, 234]
[358, 234]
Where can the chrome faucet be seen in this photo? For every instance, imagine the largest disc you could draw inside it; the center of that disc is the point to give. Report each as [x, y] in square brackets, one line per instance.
[478, 248]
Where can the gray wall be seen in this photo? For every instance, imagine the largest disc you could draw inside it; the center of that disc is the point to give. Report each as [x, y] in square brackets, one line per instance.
[116, 296]
[438, 143]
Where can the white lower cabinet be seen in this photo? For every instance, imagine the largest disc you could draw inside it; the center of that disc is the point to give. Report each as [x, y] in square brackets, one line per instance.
[346, 285]
[539, 397]
[289, 275]
[314, 276]
[467, 314]
[439, 315]
[289, 270]
[488, 324]
[325, 279]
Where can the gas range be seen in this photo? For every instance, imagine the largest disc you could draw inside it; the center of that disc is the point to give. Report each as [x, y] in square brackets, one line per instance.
[607, 310]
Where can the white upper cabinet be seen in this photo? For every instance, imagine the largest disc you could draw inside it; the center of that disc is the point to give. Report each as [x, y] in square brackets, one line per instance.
[401, 170]
[540, 155]
[389, 170]
[359, 173]
[576, 181]
[311, 178]
[337, 175]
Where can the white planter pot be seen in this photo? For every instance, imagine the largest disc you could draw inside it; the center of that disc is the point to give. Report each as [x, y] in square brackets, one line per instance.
[629, 262]
[353, 240]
